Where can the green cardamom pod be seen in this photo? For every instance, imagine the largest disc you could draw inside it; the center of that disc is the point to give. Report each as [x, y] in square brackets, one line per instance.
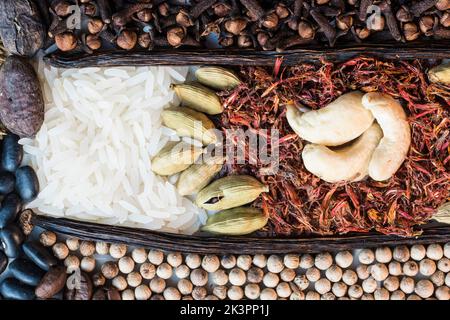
[175, 157]
[236, 222]
[198, 97]
[189, 123]
[217, 78]
[230, 192]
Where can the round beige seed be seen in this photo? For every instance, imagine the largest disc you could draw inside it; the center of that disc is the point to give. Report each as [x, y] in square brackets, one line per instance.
[139, 255]
[220, 292]
[424, 288]
[283, 290]
[87, 248]
[444, 265]
[235, 293]
[411, 268]
[362, 271]
[210, 263]
[117, 250]
[344, 259]
[47, 238]
[383, 254]
[438, 278]
[182, 271]
[185, 286]
[447, 280]
[328, 296]
[322, 286]
[142, 292]
[447, 250]
[291, 261]
[244, 262]
[369, 285]
[60, 251]
[128, 295]
[237, 277]
[381, 294]
[126, 264]
[407, 285]
[339, 289]
[395, 268]
[297, 295]
[391, 283]
[187, 298]
[147, 270]
[157, 285]
[271, 280]
[87, 264]
[260, 261]
[313, 274]
[172, 293]
[164, 271]
[252, 291]
[268, 294]
[287, 275]
[334, 273]
[312, 295]
[134, 279]
[73, 244]
[367, 296]
[413, 297]
[366, 256]
[211, 297]
[398, 295]
[323, 261]
[427, 267]
[443, 293]
[302, 282]
[193, 261]
[199, 277]
[418, 252]
[156, 257]
[306, 261]
[349, 277]
[228, 261]
[355, 291]
[379, 272]
[255, 275]
[72, 263]
[102, 248]
[435, 251]
[220, 277]
[275, 264]
[401, 254]
[120, 283]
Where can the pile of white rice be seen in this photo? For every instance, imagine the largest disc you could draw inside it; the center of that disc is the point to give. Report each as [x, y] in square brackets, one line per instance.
[93, 153]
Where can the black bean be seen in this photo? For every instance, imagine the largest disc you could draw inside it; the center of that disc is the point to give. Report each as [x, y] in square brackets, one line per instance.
[26, 271]
[39, 255]
[27, 184]
[13, 289]
[12, 153]
[7, 182]
[11, 206]
[3, 262]
[11, 238]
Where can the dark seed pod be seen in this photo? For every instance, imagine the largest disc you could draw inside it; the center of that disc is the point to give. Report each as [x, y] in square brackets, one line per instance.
[26, 271]
[7, 182]
[12, 153]
[39, 255]
[13, 289]
[11, 238]
[10, 208]
[27, 184]
[3, 262]
[52, 283]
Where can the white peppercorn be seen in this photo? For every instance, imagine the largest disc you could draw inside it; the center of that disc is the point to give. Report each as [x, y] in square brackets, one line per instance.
[369, 285]
[413, 297]
[87, 248]
[139, 255]
[157, 285]
[427, 267]
[187, 298]
[119, 282]
[199, 277]
[142, 292]
[391, 283]
[252, 291]
[407, 285]
[174, 259]
[395, 268]
[367, 296]
[164, 271]
[117, 250]
[220, 292]
[306, 261]
[172, 293]
[260, 260]
[401, 253]
[323, 261]
[255, 275]
[334, 273]
[442, 293]
[219, 277]
[447, 250]
[291, 261]
[424, 288]
[182, 271]
[102, 248]
[275, 264]
[444, 265]
[302, 282]
[72, 263]
[228, 261]
[73, 244]
[134, 279]
[268, 294]
[328, 296]
[447, 280]
[312, 295]
[381, 294]
[147, 270]
[237, 277]
[210, 263]
[47, 238]
[379, 271]
[366, 256]
[287, 275]
[339, 289]
[110, 270]
[355, 291]
[438, 278]
[244, 262]
[312, 274]
[435, 251]
[211, 297]
[128, 295]
[157, 297]
[283, 290]
[349, 277]
[297, 295]
[383, 254]
[126, 264]
[156, 257]
[344, 259]
[199, 293]
[98, 280]
[362, 271]
[271, 280]
[87, 264]
[411, 268]
[418, 252]
[235, 293]
[185, 286]
[398, 295]
[322, 286]
[193, 261]
[60, 251]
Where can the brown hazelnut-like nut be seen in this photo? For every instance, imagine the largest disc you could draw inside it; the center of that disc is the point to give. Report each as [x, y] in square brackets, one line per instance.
[199, 277]
[134, 279]
[270, 21]
[142, 292]
[287, 275]
[47, 238]
[339, 289]
[157, 285]
[322, 286]
[164, 271]
[260, 260]
[291, 261]
[128, 295]
[120, 283]
[139, 255]
[182, 271]
[188, 297]
[110, 270]
[102, 248]
[98, 280]
[323, 261]
[334, 273]
[237, 277]
[175, 36]
[411, 31]
[87, 248]
[172, 293]
[147, 270]
[199, 293]
[72, 263]
[95, 25]
[210, 263]
[145, 15]
[185, 286]
[87, 264]
[174, 259]
[156, 257]
[228, 261]
[244, 262]
[424, 288]
[235, 26]
[271, 280]
[220, 277]
[60, 251]
[313, 274]
[127, 39]
[252, 291]
[305, 30]
[126, 265]
[66, 41]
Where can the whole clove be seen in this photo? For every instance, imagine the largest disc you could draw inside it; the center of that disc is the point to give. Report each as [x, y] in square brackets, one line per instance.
[124, 16]
[253, 7]
[403, 14]
[391, 22]
[305, 30]
[175, 36]
[344, 22]
[144, 40]
[426, 23]
[127, 39]
[163, 9]
[105, 11]
[235, 26]
[66, 41]
[144, 15]
[420, 6]
[221, 9]
[183, 19]
[244, 41]
[281, 11]
[325, 26]
[411, 31]
[363, 8]
[62, 8]
[89, 9]
[200, 7]
[270, 21]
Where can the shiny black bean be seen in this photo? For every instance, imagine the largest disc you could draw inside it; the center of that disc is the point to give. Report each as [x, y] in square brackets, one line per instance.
[13, 289]
[27, 184]
[3, 262]
[7, 182]
[12, 153]
[39, 255]
[11, 238]
[26, 271]
[11, 206]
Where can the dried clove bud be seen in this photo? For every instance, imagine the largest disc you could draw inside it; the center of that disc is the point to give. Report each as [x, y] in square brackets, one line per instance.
[426, 23]
[325, 26]
[89, 9]
[321, 2]
[93, 42]
[127, 39]
[163, 9]
[144, 40]
[183, 19]
[403, 14]
[445, 20]
[376, 24]
[244, 41]
[226, 41]
[121, 18]
[443, 5]
[95, 25]
[305, 30]
[66, 41]
[362, 33]
[236, 26]
[175, 36]
[262, 38]
[352, 2]
[270, 21]
[344, 22]
[257, 12]
[391, 21]
[145, 15]
[221, 9]
[62, 8]
[281, 11]
[411, 31]
[420, 6]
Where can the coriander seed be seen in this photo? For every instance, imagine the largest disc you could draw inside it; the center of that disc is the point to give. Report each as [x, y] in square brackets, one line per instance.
[244, 262]
[411, 268]
[367, 296]
[413, 297]
[268, 294]
[110, 270]
[275, 264]
[395, 268]
[297, 295]
[442, 293]
[302, 282]
[366, 256]
[199, 277]
[147, 270]
[235, 293]
[401, 254]
[139, 255]
[339, 289]
[182, 271]
[407, 285]
[199, 293]
[334, 273]
[128, 295]
[271, 280]
[383, 254]
[287, 275]
[72, 263]
[211, 297]
[391, 283]
[379, 271]
[155, 257]
[312, 295]
[172, 293]
[435, 251]
[418, 252]
[424, 288]
[322, 286]
[252, 291]
[447, 250]
[438, 278]
[369, 285]
[291, 261]
[323, 261]
[255, 275]
[444, 265]
[306, 261]
[427, 267]
[47, 238]
[398, 295]
[312, 274]
[349, 277]
[126, 264]
[362, 271]
[193, 261]
[134, 279]
[157, 297]
[73, 244]
[220, 292]
[328, 296]
[283, 290]
[355, 291]
[87, 264]
[60, 251]
[260, 261]
[219, 277]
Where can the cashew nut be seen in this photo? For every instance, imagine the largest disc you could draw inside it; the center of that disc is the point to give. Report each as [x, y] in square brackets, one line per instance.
[341, 121]
[348, 163]
[393, 148]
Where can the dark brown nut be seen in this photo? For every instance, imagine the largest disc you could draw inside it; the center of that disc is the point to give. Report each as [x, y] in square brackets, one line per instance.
[52, 283]
[82, 290]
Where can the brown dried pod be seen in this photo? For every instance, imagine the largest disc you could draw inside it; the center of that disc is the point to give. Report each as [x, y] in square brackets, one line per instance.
[127, 39]
[145, 15]
[282, 11]
[175, 36]
[21, 101]
[95, 25]
[183, 19]
[82, 291]
[411, 31]
[221, 9]
[426, 23]
[93, 42]
[443, 5]
[306, 30]
[52, 283]
[403, 14]
[66, 41]
[270, 21]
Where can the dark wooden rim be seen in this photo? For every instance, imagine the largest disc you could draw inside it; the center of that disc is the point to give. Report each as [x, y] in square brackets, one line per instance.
[432, 50]
[432, 233]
